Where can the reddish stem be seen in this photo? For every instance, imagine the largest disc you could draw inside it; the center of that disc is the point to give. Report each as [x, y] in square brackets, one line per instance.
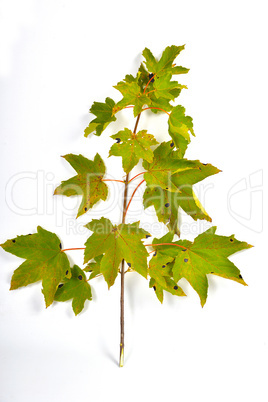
[67, 249]
[136, 176]
[119, 181]
[131, 198]
[149, 82]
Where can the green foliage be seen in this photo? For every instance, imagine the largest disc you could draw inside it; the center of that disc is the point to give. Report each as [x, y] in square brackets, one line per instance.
[88, 181]
[116, 243]
[44, 262]
[76, 288]
[104, 113]
[206, 255]
[133, 147]
[170, 179]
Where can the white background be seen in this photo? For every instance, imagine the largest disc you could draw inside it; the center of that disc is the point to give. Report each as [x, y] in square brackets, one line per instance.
[56, 58]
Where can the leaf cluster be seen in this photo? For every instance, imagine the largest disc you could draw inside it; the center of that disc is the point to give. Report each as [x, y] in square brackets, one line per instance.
[169, 180]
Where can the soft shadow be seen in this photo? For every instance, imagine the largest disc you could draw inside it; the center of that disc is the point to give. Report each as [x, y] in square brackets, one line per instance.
[106, 351]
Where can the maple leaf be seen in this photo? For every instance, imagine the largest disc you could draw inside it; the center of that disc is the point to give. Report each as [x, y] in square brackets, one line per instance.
[164, 87]
[76, 288]
[165, 64]
[167, 203]
[132, 94]
[94, 267]
[88, 182]
[161, 277]
[133, 147]
[172, 173]
[163, 166]
[160, 88]
[206, 255]
[155, 102]
[104, 113]
[44, 261]
[179, 127]
[116, 243]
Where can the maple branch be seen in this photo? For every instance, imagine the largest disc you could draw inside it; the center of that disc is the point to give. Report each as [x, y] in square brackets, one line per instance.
[122, 300]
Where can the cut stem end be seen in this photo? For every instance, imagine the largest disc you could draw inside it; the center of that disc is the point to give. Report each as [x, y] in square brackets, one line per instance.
[121, 361]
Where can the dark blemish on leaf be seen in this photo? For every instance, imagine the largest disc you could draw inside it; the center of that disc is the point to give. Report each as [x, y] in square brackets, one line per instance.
[184, 249]
[60, 246]
[60, 285]
[204, 164]
[30, 234]
[151, 77]
[166, 188]
[148, 236]
[67, 272]
[176, 287]
[168, 262]
[231, 240]
[185, 259]
[163, 266]
[13, 241]
[167, 205]
[154, 288]
[129, 264]
[172, 144]
[212, 272]
[199, 168]
[80, 277]
[86, 209]
[90, 270]
[155, 253]
[118, 140]
[240, 276]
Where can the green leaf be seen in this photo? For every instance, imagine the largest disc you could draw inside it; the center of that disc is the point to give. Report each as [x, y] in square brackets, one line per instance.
[164, 87]
[116, 243]
[104, 113]
[133, 147]
[160, 271]
[76, 288]
[88, 181]
[44, 261]
[179, 127]
[165, 64]
[161, 90]
[159, 268]
[163, 166]
[166, 206]
[206, 255]
[170, 286]
[132, 94]
[172, 173]
[180, 70]
[94, 267]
